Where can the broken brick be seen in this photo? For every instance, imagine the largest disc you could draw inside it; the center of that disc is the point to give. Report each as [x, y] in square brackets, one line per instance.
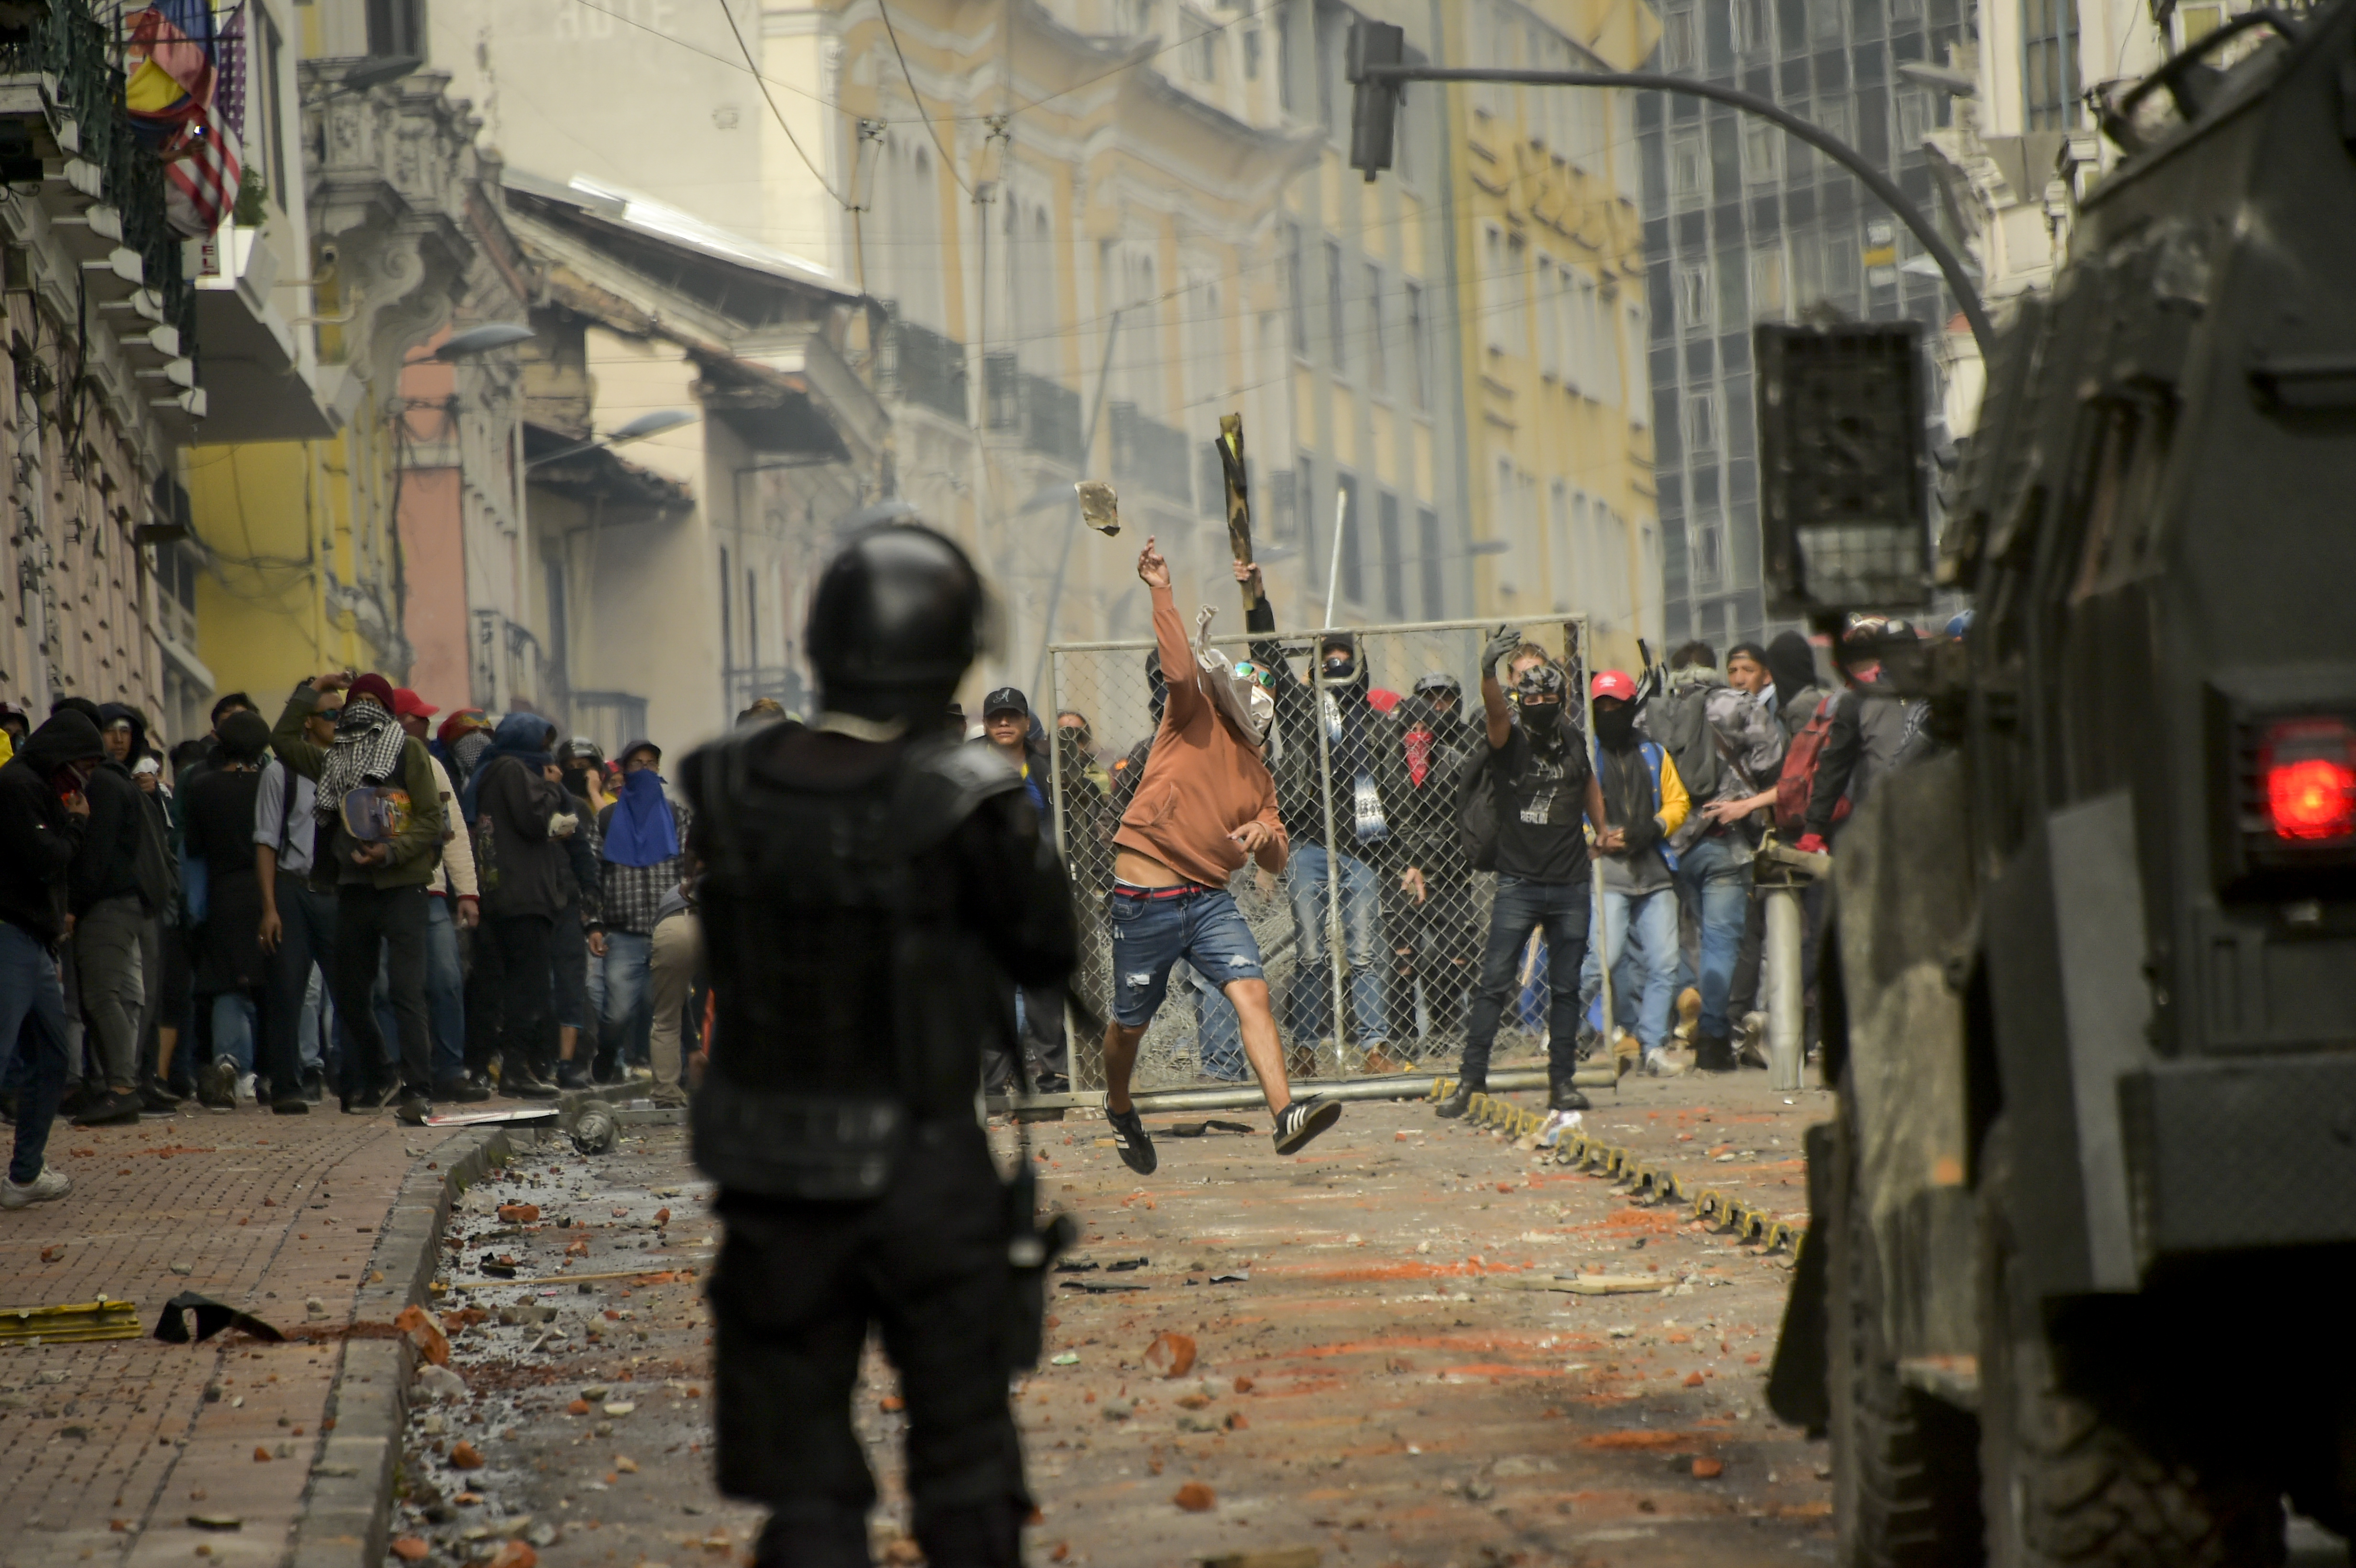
[518, 1213]
[409, 1549]
[1195, 1498]
[464, 1455]
[426, 1334]
[1709, 1469]
[1171, 1355]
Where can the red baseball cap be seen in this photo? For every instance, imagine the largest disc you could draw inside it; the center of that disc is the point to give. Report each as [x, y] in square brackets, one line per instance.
[407, 704]
[1613, 683]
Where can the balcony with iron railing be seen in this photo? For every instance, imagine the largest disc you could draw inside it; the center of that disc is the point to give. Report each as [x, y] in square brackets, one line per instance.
[928, 368]
[59, 81]
[1045, 413]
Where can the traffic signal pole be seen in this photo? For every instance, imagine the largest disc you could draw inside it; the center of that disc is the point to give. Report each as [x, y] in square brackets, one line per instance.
[1378, 71]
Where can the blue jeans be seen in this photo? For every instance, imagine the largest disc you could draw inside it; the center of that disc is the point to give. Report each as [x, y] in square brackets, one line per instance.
[1653, 917]
[628, 1012]
[1714, 883]
[1521, 908]
[1149, 934]
[234, 1016]
[1361, 941]
[33, 1041]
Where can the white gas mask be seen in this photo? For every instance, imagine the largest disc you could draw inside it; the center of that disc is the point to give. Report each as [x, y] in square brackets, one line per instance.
[1244, 689]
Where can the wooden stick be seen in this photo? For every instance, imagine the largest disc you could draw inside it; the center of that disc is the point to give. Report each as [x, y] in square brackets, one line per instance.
[1230, 448]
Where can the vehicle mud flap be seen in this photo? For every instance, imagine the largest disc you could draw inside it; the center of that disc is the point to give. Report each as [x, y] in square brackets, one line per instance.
[1797, 1389]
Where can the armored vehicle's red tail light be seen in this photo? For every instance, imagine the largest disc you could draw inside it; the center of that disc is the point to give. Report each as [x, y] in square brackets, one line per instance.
[2309, 766]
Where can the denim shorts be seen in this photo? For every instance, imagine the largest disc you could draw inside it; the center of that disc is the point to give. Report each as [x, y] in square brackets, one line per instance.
[1201, 925]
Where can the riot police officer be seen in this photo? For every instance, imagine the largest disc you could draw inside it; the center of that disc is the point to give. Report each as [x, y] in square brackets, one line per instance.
[872, 894]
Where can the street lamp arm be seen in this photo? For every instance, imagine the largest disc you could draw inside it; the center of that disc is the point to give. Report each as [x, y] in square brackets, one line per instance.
[1951, 266]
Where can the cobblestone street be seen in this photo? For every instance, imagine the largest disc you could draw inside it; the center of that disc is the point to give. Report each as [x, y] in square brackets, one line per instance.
[1371, 1375]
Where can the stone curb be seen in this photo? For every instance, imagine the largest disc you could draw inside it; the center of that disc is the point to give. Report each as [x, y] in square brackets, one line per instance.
[345, 1517]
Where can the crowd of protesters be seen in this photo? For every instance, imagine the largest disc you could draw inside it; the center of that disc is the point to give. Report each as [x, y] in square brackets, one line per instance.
[1630, 850]
[353, 902]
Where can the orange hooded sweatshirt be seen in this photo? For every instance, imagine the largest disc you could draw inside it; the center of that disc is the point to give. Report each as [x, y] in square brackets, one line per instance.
[1204, 780]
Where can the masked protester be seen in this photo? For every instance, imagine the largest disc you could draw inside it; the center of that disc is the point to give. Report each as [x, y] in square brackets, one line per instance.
[1539, 778]
[1427, 910]
[875, 891]
[378, 809]
[1351, 769]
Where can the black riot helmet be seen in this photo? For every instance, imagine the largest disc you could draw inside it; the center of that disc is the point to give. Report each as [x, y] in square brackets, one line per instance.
[897, 617]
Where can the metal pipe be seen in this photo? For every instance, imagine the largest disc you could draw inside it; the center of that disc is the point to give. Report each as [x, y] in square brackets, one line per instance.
[1786, 989]
[1336, 948]
[1247, 1096]
[1951, 265]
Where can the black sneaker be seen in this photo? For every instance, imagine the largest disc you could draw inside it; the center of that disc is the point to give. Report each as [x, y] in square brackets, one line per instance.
[413, 1109]
[290, 1105]
[1457, 1104]
[1130, 1140]
[571, 1077]
[460, 1089]
[1303, 1120]
[116, 1108]
[315, 1085]
[1566, 1096]
[377, 1095]
[526, 1084]
[155, 1100]
[1712, 1054]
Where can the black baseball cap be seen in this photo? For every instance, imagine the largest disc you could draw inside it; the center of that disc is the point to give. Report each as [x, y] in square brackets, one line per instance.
[1005, 700]
[1437, 681]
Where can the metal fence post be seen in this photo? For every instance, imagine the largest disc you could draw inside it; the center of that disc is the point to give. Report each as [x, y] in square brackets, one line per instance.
[1338, 955]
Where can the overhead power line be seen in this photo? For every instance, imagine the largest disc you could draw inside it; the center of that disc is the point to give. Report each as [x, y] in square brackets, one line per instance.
[754, 66]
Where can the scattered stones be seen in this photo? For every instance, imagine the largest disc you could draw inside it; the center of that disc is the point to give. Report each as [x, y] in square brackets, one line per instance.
[1709, 1469]
[1196, 1497]
[464, 1455]
[410, 1549]
[619, 1407]
[439, 1383]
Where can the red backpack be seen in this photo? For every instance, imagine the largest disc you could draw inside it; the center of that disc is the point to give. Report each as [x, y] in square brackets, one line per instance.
[1797, 786]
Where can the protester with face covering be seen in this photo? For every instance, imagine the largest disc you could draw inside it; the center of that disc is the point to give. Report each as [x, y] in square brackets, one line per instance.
[1368, 787]
[381, 882]
[103, 894]
[645, 831]
[526, 816]
[1645, 802]
[43, 814]
[461, 741]
[1428, 913]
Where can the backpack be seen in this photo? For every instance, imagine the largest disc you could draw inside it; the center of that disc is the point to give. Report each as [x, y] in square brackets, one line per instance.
[1476, 806]
[156, 868]
[1679, 720]
[1796, 787]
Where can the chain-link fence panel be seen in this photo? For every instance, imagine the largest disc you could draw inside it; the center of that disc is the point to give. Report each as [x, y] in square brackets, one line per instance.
[1372, 939]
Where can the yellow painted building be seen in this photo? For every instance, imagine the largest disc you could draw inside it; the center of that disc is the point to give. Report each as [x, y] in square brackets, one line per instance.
[1550, 247]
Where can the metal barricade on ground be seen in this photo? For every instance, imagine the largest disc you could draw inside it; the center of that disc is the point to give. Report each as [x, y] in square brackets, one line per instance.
[1369, 771]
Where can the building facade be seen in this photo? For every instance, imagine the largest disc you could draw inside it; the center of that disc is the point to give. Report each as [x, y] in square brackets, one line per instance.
[1745, 224]
[1549, 364]
[101, 311]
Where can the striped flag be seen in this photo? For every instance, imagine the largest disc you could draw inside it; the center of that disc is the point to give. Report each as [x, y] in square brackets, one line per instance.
[200, 183]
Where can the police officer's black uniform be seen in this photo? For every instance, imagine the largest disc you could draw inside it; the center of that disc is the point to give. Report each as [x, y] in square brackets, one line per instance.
[873, 891]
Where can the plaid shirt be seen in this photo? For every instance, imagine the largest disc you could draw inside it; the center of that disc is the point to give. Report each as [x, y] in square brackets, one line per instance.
[633, 895]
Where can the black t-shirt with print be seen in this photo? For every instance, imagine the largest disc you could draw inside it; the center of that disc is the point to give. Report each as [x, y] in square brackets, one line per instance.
[1541, 805]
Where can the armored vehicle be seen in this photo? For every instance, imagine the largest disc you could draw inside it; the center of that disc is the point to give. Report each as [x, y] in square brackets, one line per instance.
[2084, 1223]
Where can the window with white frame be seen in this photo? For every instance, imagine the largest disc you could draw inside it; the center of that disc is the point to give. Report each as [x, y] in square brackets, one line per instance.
[1514, 294]
[1688, 169]
[1762, 151]
[1701, 421]
[1694, 296]
[1337, 322]
[1514, 567]
[1677, 37]
[1378, 358]
[1917, 118]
